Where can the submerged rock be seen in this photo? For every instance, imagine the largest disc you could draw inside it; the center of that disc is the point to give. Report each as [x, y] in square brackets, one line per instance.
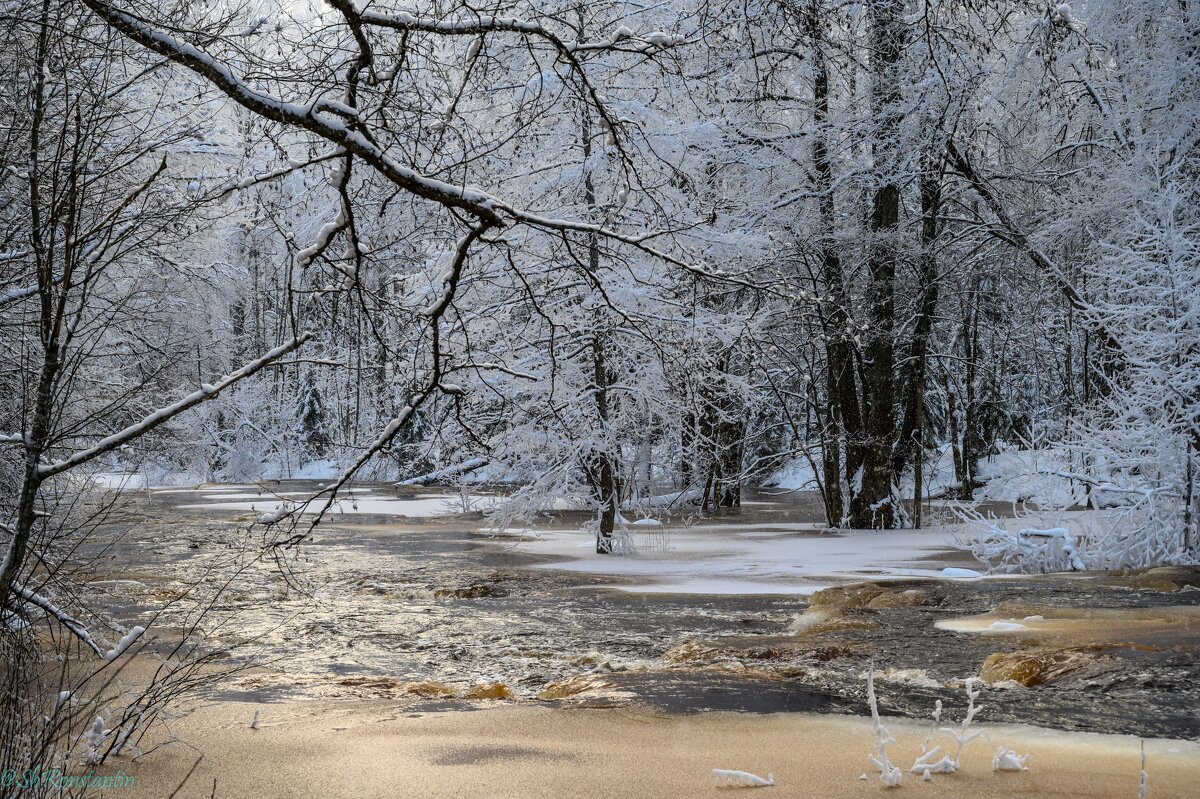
[494, 690]
[898, 599]
[872, 596]
[429, 689]
[1166, 579]
[1037, 667]
[858, 595]
[825, 619]
[571, 687]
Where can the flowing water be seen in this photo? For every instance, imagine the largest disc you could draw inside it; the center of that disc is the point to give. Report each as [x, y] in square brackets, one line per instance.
[437, 612]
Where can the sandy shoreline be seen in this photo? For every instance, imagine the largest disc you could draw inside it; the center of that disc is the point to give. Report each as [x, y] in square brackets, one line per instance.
[384, 749]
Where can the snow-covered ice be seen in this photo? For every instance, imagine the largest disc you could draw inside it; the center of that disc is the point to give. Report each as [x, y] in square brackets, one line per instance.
[960, 574]
[793, 558]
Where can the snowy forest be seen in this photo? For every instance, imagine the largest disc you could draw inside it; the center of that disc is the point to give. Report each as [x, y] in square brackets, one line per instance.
[631, 267]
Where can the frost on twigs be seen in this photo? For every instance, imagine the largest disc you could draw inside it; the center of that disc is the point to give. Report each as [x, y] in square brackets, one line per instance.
[928, 762]
[725, 778]
[1008, 760]
[282, 511]
[889, 774]
[1029, 551]
[931, 760]
[963, 735]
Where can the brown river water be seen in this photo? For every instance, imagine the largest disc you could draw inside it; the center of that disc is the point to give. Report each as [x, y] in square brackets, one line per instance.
[438, 613]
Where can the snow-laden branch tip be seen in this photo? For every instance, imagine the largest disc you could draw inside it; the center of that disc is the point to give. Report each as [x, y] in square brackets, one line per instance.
[890, 774]
[126, 641]
[67, 620]
[205, 392]
[12, 295]
[963, 735]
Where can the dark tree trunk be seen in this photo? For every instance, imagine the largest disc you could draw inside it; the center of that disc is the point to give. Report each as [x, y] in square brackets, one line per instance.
[722, 432]
[601, 465]
[910, 438]
[960, 472]
[843, 422]
[873, 506]
[972, 435]
[687, 449]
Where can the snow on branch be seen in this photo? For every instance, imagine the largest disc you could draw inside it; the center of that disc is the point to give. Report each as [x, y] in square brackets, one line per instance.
[457, 469]
[406, 21]
[12, 295]
[70, 622]
[889, 774]
[205, 392]
[126, 641]
[1029, 551]
[1015, 235]
[338, 123]
[308, 116]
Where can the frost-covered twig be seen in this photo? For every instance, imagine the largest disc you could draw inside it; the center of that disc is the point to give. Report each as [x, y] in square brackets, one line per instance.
[70, 622]
[928, 762]
[889, 774]
[1144, 783]
[126, 641]
[963, 735]
[1029, 551]
[95, 740]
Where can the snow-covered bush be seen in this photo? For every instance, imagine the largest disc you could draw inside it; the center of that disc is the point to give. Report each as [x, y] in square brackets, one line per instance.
[1028, 551]
[1133, 455]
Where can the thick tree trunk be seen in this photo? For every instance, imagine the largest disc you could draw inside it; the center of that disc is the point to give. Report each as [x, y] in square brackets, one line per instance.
[909, 440]
[874, 506]
[687, 450]
[722, 432]
[918, 460]
[843, 420]
[1191, 517]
